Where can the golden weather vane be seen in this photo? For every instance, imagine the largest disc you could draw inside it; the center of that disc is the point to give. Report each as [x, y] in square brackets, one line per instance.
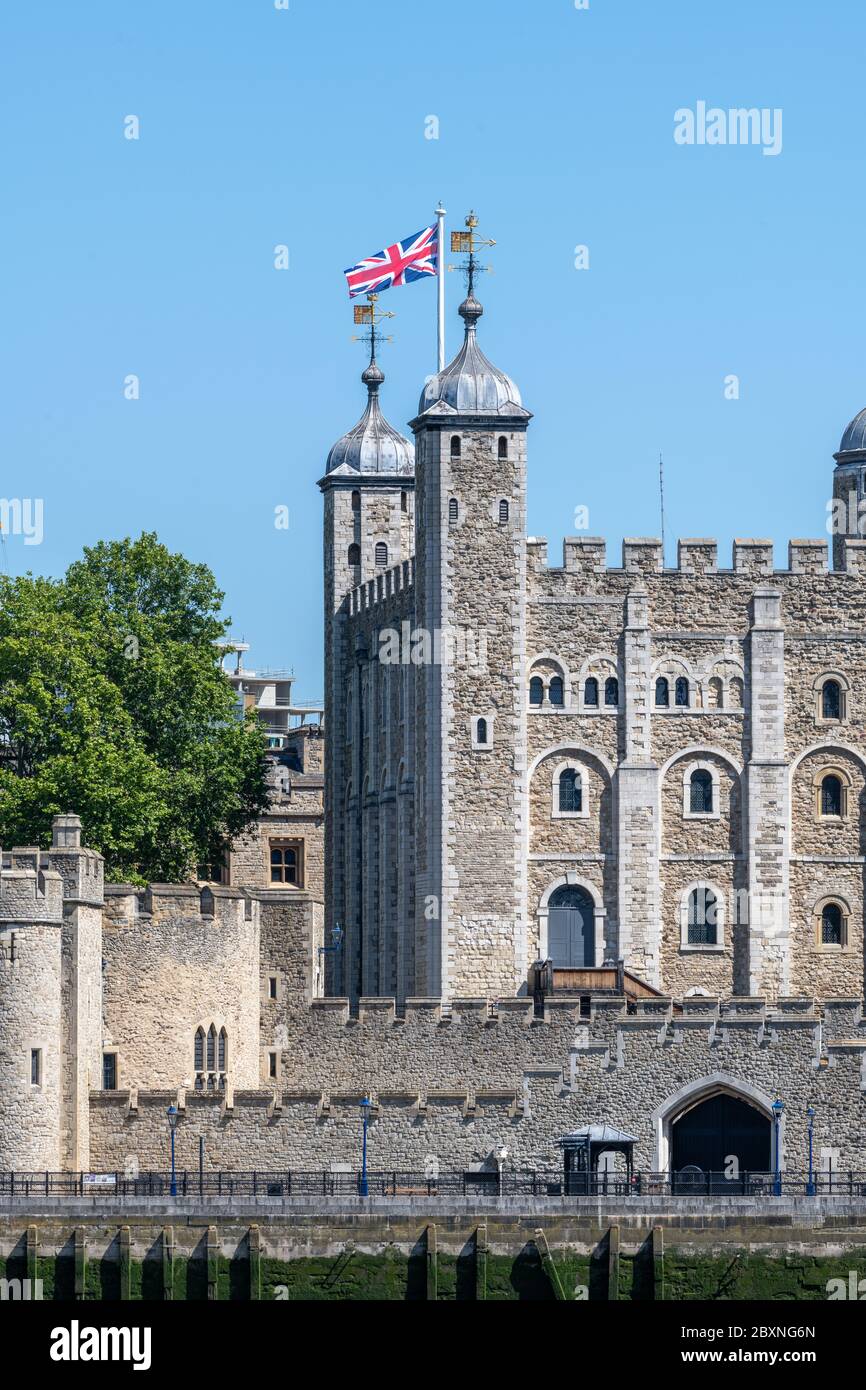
[466, 244]
[367, 314]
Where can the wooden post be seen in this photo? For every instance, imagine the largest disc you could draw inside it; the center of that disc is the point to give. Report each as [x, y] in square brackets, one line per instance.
[213, 1255]
[31, 1248]
[657, 1236]
[124, 1264]
[432, 1264]
[481, 1261]
[168, 1262]
[255, 1260]
[613, 1264]
[549, 1267]
[80, 1262]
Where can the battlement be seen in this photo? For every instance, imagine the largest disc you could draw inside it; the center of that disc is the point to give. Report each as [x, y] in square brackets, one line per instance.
[382, 587]
[642, 555]
[42, 878]
[205, 904]
[29, 890]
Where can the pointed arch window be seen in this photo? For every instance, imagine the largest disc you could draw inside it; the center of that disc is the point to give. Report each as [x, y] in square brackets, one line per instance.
[590, 692]
[611, 691]
[663, 693]
[223, 1050]
[536, 691]
[198, 1050]
[681, 692]
[556, 692]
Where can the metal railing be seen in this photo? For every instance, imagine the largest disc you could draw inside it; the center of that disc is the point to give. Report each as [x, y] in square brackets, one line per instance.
[458, 1183]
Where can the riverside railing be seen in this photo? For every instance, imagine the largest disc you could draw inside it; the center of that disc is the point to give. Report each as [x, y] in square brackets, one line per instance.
[510, 1182]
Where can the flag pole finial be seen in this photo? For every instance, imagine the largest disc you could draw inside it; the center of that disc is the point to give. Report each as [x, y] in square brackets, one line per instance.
[370, 316]
[467, 243]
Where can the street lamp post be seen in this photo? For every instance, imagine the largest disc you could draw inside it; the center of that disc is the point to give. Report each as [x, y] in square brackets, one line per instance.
[810, 1186]
[172, 1126]
[778, 1107]
[366, 1105]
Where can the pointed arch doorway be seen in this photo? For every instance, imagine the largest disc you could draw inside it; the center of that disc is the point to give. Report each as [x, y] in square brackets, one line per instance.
[571, 927]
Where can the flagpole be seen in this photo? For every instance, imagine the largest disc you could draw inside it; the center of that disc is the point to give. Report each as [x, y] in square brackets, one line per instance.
[440, 289]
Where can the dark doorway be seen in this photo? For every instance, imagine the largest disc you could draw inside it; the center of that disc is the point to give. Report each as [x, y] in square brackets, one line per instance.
[719, 1128]
[571, 927]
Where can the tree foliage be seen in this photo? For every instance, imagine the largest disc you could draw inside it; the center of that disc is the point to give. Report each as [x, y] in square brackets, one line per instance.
[113, 704]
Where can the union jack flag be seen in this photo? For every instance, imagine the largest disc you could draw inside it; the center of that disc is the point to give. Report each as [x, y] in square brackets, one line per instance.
[399, 264]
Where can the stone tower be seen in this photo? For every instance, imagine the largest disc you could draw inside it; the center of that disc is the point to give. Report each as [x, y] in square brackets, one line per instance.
[50, 1001]
[849, 488]
[470, 567]
[369, 524]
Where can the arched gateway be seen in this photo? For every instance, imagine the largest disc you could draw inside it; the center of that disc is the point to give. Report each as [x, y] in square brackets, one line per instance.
[717, 1124]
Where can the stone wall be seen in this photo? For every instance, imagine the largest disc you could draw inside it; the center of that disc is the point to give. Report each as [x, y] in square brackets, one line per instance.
[178, 958]
[451, 1089]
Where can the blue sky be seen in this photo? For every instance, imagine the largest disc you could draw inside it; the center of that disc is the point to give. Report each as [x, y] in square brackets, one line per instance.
[306, 127]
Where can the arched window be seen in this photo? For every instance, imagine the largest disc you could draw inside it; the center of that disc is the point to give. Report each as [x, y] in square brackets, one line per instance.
[703, 917]
[481, 731]
[381, 554]
[662, 691]
[503, 447]
[701, 793]
[831, 700]
[735, 691]
[536, 691]
[222, 1055]
[556, 691]
[570, 791]
[681, 691]
[611, 691]
[832, 797]
[590, 691]
[452, 510]
[714, 693]
[832, 925]
[404, 501]
[211, 1048]
[503, 511]
[455, 446]
[356, 501]
[354, 555]
[198, 1050]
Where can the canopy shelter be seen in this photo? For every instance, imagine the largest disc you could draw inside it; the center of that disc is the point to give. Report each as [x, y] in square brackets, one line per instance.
[582, 1149]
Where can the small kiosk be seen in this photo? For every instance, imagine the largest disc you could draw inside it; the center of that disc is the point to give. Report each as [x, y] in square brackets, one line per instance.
[583, 1148]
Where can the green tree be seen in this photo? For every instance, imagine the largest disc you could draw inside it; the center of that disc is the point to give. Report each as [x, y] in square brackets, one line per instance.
[113, 704]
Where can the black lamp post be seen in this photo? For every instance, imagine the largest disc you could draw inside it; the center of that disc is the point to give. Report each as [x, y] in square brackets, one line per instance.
[172, 1126]
[366, 1106]
[778, 1107]
[810, 1186]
